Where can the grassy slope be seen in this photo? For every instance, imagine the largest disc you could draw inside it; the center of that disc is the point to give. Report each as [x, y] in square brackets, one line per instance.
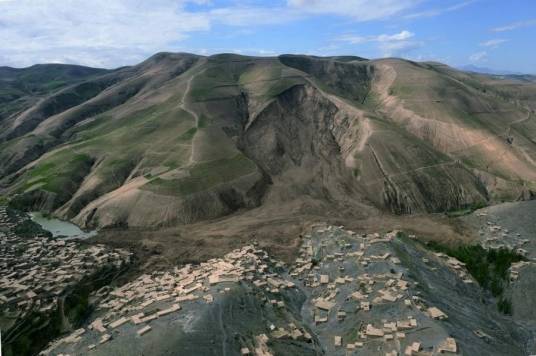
[218, 160]
[204, 176]
[20, 87]
[156, 136]
[151, 141]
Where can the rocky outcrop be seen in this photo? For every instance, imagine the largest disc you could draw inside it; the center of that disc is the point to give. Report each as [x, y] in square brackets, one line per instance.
[292, 140]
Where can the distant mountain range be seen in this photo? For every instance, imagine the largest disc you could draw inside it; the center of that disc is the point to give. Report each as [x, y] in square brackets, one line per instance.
[484, 70]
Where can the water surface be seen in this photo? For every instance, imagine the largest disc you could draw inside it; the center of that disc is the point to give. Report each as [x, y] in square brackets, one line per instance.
[61, 228]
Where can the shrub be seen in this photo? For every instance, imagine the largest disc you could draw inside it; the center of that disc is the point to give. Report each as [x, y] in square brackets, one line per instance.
[488, 267]
[504, 306]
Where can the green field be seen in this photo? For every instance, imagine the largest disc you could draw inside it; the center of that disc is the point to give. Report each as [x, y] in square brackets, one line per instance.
[203, 176]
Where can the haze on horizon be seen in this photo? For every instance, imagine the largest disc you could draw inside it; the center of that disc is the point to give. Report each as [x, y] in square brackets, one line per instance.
[482, 33]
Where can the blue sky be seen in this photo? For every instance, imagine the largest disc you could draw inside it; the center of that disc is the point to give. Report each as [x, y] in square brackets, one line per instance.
[496, 34]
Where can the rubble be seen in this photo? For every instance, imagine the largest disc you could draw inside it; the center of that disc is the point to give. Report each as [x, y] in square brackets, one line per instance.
[144, 330]
[516, 267]
[447, 346]
[435, 313]
[495, 236]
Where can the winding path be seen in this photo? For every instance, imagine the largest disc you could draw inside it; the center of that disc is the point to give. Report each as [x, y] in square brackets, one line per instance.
[184, 107]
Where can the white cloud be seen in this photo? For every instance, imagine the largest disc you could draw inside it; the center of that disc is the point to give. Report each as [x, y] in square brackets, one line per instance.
[266, 52]
[493, 43]
[98, 32]
[478, 57]
[515, 25]
[109, 33]
[429, 57]
[437, 12]
[402, 36]
[356, 39]
[360, 10]
[390, 45]
[482, 56]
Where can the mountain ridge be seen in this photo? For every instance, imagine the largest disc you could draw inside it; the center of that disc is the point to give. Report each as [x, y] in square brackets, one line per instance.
[181, 138]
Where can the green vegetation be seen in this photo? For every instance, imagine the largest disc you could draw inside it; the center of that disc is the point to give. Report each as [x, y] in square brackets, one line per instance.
[59, 173]
[505, 306]
[156, 136]
[216, 82]
[116, 170]
[57, 177]
[403, 90]
[28, 228]
[203, 122]
[465, 210]
[20, 87]
[188, 135]
[267, 80]
[263, 72]
[203, 176]
[279, 86]
[352, 335]
[349, 80]
[77, 305]
[35, 332]
[488, 267]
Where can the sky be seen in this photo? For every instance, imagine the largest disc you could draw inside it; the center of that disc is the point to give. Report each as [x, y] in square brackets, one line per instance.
[496, 34]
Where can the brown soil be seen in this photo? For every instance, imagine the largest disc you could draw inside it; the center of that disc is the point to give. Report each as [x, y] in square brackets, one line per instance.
[279, 234]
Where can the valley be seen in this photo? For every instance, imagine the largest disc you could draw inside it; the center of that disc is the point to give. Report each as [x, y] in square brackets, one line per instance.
[289, 205]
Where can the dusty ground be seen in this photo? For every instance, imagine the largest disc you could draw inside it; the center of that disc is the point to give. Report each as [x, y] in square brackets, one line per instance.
[279, 234]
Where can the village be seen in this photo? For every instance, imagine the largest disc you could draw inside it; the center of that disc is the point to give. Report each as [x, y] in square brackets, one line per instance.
[346, 293]
[359, 274]
[358, 300]
[150, 297]
[495, 236]
[37, 270]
